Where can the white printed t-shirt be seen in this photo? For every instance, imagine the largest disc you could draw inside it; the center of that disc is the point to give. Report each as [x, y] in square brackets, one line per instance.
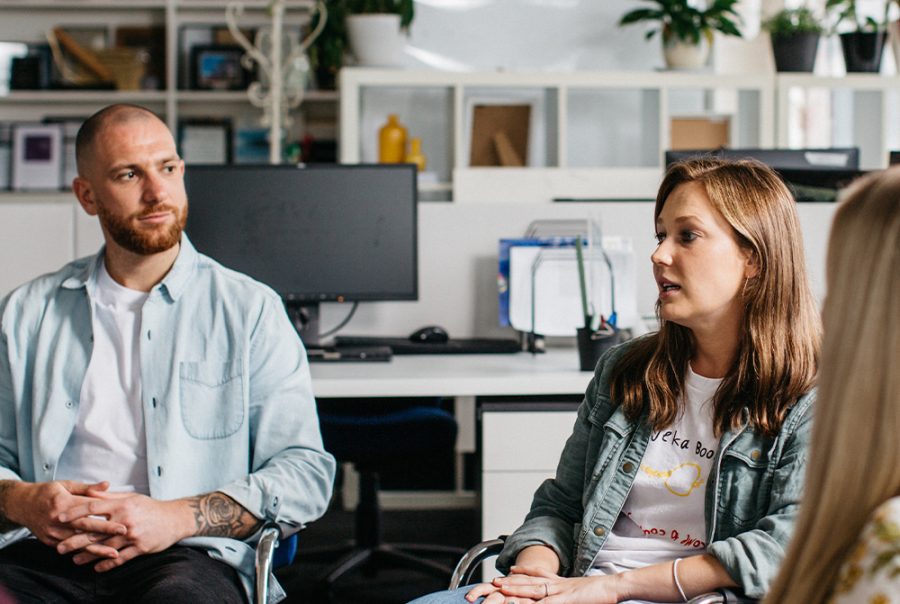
[663, 516]
[108, 441]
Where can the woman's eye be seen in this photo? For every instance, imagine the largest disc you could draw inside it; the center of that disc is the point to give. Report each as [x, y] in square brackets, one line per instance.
[688, 236]
[659, 237]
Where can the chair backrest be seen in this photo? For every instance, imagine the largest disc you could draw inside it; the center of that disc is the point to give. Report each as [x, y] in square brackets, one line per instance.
[285, 552]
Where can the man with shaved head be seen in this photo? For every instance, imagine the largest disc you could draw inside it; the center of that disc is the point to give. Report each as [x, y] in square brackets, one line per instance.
[155, 407]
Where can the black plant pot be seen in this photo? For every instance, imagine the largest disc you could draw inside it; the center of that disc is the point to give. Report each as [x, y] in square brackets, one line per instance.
[863, 50]
[795, 52]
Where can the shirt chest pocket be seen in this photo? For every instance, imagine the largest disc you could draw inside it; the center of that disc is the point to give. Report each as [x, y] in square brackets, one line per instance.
[212, 398]
[744, 488]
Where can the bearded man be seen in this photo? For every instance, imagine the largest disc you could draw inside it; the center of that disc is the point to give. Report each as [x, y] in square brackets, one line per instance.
[155, 407]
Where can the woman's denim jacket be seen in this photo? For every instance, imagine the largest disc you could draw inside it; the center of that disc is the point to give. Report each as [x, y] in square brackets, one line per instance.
[752, 497]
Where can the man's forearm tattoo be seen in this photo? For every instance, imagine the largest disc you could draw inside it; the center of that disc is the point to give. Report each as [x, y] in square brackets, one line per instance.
[5, 523]
[218, 515]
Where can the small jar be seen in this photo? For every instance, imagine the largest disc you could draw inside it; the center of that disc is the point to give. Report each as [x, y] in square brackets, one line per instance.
[415, 155]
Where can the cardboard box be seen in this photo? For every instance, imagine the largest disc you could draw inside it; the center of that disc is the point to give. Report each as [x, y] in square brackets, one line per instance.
[703, 132]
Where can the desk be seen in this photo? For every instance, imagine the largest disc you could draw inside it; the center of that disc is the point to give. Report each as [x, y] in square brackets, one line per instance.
[461, 376]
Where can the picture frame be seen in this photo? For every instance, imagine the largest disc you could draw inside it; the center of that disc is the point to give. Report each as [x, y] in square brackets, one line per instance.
[218, 67]
[189, 36]
[521, 113]
[205, 140]
[500, 135]
[37, 163]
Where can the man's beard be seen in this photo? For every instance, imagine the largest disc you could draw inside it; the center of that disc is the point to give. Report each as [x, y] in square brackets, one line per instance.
[144, 241]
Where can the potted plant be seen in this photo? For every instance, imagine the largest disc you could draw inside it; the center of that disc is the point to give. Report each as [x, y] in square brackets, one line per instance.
[862, 46]
[326, 55]
[794, 34]
[686, 31]
[376, 30]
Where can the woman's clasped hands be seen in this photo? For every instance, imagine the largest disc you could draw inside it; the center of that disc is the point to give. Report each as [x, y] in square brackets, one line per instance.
[525, 585]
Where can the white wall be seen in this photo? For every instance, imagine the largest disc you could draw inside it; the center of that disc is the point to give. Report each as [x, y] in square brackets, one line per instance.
[458, 262]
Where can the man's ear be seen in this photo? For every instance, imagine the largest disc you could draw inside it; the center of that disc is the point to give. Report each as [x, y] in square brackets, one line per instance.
[84, 194]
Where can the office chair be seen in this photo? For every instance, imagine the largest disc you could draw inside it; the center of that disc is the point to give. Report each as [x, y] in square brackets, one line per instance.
[374, 440]
[271, 553]
[470, 563]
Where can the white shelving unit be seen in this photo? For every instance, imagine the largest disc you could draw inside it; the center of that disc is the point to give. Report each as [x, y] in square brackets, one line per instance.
[861, 110]
[598, 134]
[28, 20]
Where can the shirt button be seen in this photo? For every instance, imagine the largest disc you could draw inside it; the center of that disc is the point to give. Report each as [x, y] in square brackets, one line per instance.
[69, 404]
[627, 467]
[153, 402]
[599, 531]
[754, 454]
[46, 467]
[159, 470]
[148, 334]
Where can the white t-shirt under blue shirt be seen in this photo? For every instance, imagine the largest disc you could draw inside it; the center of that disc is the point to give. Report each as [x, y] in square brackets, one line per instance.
[663, 517]
[108, 441]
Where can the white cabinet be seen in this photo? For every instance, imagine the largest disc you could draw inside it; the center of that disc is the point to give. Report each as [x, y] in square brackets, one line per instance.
[520, 447]
[591, 134]
[40, 232]
[37, 237]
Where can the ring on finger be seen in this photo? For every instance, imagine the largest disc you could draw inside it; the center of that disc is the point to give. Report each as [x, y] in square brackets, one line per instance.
[547, 590]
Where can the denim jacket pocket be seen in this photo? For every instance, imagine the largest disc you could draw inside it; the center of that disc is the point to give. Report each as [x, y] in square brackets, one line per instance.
[743, 487]
[212, 398]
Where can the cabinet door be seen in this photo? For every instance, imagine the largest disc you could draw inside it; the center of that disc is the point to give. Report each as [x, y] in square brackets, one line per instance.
[35, 238]
[520, 449]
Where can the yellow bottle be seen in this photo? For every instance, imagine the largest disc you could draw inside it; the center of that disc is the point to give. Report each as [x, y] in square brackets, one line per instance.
[392, 141]
[415, 155]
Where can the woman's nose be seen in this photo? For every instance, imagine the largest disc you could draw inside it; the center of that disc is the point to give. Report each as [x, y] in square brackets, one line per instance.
[662, 254]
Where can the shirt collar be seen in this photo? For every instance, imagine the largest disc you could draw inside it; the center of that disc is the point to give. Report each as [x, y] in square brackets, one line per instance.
[173, 284]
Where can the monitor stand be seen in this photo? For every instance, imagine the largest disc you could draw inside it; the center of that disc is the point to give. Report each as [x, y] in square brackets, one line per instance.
[305, 317]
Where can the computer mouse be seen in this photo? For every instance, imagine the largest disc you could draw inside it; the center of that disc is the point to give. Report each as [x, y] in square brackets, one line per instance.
[430, 334]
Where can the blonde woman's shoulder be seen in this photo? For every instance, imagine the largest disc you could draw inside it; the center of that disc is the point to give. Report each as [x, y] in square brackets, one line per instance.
[871, 574]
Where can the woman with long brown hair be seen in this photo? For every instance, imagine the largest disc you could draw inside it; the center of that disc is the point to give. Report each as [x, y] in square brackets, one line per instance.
[685, 466]
[847, 544]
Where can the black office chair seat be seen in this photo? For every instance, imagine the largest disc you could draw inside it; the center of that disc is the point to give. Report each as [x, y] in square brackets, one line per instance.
[374, 441]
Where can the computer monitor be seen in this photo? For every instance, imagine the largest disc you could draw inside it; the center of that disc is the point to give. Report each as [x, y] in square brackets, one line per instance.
[314, 234]
[834, 158]
[811, 174]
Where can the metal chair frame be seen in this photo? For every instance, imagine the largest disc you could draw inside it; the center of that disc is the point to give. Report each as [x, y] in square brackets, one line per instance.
[269, 540]
[470, 563]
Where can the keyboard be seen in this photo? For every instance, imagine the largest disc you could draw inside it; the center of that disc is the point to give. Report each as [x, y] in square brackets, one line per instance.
[337, 354]
[401, 346]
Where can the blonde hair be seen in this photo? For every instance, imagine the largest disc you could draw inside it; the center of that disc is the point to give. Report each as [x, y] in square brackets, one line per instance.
[777, 354]
[853, 456]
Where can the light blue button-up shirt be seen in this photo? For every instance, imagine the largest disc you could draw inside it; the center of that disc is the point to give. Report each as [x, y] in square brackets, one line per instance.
[226, 394]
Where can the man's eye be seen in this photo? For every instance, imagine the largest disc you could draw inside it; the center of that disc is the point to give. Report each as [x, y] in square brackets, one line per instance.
[127, 175]
[169, 169]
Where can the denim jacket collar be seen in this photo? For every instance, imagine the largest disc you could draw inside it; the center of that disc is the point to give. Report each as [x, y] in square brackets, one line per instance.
[172, 284]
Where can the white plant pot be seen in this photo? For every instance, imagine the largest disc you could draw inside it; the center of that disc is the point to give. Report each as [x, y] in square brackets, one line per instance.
[894, 32]
[376, 39]
[685, 55]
